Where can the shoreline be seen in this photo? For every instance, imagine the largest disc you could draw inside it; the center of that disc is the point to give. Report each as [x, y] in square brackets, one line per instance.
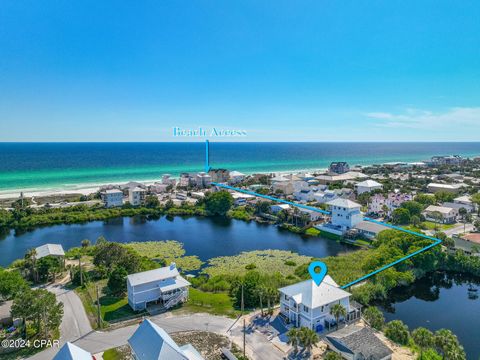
[88, 188]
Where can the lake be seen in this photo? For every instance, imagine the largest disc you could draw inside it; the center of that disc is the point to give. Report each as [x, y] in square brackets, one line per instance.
[205, 237]
[436, 301]
[440, 301]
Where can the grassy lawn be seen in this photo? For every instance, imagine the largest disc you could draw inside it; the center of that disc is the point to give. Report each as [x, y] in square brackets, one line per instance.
[120, 353]
[111, 307]
[115, 308]
[312, 232]
[430, 225]
[211, 303]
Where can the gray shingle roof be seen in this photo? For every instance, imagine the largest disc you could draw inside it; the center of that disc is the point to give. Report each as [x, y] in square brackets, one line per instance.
[361, 340]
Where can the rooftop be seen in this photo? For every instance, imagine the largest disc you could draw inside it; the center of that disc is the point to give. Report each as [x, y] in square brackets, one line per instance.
[361, 340]
[153, 275]
[340, 202]
[440, 209]
[70, 351]
[446, 186]
[113, 191]
[368, 183]
[49, 249]
[370, 227]
[151, 342]
[472, 237]
[313, 296]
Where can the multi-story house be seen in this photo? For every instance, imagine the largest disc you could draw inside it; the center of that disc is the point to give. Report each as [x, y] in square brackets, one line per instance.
[168, 180]
[164, 287]
[236, 177]
[306, 304]
[340, 167]
[385, 205]
[203, 180]
[367, 186]
[136, 196]
[345, 214]
[112, 197]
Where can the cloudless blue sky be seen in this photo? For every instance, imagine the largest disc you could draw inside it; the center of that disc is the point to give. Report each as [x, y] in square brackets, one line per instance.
[282, 70]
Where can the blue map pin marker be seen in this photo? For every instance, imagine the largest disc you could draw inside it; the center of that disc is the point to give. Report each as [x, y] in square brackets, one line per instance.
[317, 276]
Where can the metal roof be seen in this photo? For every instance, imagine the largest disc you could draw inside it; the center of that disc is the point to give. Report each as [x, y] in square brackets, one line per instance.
[340, 202]
[151, 342]
[313, 296]
[153, 275]
[49, 249]
[72, 352]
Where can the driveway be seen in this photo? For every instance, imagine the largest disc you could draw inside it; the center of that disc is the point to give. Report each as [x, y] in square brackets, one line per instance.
[75, 323]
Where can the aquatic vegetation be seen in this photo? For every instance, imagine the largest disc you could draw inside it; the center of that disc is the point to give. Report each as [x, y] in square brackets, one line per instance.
[266, 261]
[167, 252]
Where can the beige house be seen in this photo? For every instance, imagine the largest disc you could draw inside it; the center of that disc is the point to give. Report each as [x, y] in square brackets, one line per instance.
[447, 215]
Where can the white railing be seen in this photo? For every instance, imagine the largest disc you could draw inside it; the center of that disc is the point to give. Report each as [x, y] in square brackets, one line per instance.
[175, 299]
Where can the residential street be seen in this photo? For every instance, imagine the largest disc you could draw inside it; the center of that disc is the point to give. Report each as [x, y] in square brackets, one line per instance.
[76, 328]
[457, 229]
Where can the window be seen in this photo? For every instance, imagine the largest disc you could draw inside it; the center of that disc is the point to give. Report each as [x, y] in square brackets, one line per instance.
[305, 308]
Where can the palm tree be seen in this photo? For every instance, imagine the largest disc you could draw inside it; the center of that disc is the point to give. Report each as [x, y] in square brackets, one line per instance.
[423, 338]
[463, 213]
[437, 218]
[444, 340]
[294, 338]
[337, 311]
[31, 260]
[308, 338]
[271, 295]
[456, 352]
[260, 293]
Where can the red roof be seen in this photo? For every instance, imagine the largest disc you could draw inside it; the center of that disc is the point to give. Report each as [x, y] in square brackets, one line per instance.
[473, 237]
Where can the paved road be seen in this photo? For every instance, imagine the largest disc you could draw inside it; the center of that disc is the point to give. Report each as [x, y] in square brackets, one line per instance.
[75, 322]
[459, 229]
[258, 346]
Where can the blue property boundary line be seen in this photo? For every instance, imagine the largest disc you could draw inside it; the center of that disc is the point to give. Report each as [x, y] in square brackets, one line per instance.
[385, 267]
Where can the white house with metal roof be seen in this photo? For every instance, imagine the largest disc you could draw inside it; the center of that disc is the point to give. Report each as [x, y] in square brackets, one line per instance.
[367, 186]
[70, 351]
[345, 214]
[49, 250]
[164, 286]
[305, 304]
[151, 342]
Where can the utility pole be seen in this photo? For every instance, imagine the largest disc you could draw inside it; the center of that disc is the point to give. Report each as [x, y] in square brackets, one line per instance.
[80, 269]
[99, 314]
[244, 340]
[244, 330]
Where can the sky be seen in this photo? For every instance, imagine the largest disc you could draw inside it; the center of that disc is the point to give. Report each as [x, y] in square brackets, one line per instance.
[349, 70]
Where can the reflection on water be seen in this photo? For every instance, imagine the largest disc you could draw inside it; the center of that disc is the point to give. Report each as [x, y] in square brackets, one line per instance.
[440, 300]
[205, 237]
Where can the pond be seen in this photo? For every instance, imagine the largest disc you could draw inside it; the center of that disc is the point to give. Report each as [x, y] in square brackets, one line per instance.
[440, 300]
[205, 237]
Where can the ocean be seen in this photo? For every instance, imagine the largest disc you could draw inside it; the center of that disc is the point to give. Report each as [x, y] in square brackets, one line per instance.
[64, 166]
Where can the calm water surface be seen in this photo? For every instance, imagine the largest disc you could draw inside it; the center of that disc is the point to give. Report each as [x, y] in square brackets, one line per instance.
[441, 301]
[204, 237]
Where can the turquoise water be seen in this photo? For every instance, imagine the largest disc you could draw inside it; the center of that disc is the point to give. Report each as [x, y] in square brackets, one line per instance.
[32, 166]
